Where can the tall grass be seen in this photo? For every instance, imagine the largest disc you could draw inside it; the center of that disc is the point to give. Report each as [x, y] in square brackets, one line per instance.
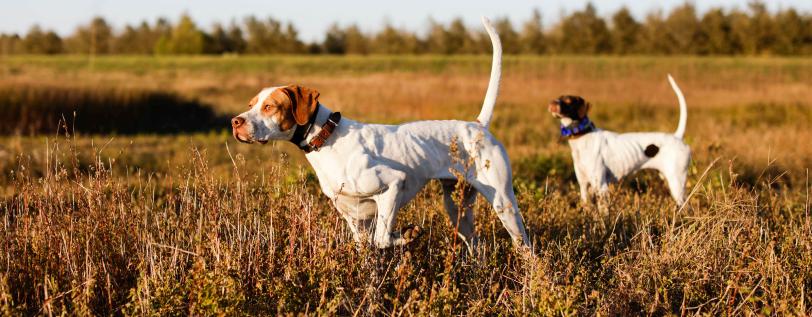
[81, 241]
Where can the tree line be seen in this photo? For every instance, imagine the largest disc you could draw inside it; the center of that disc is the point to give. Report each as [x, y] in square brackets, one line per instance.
[754, 31]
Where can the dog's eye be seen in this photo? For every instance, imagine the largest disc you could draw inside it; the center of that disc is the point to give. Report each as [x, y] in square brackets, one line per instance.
[266, 108]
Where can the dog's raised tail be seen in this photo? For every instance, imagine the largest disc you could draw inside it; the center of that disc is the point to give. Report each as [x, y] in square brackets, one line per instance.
[683, 108]
[486, 113]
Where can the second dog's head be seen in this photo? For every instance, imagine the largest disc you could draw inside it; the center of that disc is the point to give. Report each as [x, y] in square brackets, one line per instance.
[569, 109]
[274, 113]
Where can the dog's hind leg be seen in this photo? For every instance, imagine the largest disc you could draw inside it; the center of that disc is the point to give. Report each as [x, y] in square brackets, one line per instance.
[463, 224]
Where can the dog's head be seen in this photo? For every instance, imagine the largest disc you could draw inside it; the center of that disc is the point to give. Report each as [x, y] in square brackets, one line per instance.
[274, 113]
[569, 109]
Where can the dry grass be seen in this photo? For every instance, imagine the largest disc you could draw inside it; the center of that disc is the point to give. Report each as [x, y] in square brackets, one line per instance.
[176, 225]
[97, 241]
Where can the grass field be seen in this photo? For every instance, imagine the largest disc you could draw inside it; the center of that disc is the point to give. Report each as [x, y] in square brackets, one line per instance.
[196, 223]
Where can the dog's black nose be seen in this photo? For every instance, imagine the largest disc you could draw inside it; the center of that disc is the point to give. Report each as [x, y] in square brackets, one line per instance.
[236, 122]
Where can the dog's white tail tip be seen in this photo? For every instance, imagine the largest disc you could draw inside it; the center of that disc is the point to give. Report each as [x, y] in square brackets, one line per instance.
[485, 20]
[683, 108]
[486, 114]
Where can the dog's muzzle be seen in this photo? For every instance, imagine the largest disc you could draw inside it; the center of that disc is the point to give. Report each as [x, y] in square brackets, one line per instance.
[555, 108]
[237, 124]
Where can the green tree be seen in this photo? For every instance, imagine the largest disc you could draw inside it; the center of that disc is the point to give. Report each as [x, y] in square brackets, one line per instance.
[461, 37]
[291, 36]
[236, 39]
[532, 38]
[715, 37]
[216, 42]
[683, 28]
[222, 40]
[625, 32]
[740, 37]
[38, 41]
[94, 38]
[335, 41]
[790, 40]
[390, 40]
[761, 29]
[271, 37]
[127, 41]
[437, 40]
[10, 44]
[583, 32]
[153, 38]
[185, 38]
[655, 38]
[356, 41]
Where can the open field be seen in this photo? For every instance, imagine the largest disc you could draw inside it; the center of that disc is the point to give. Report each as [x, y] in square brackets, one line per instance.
[156, 223]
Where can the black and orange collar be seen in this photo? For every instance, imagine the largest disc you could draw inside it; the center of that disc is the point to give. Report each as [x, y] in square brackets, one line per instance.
[317, 141]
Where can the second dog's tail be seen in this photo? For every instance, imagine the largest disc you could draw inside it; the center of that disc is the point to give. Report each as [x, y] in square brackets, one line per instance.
[683, 109]
[486, 113]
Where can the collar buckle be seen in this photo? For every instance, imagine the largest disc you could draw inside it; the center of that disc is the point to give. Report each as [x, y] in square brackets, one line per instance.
[321, 137]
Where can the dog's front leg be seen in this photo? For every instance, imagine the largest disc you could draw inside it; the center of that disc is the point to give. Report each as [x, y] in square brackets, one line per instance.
[391, 182]
[597, 183]
[583, 182]
[602, 192]
[385, 220]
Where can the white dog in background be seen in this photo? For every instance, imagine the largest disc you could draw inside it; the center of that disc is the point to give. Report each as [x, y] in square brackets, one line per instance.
[601, 157]
[370, 171]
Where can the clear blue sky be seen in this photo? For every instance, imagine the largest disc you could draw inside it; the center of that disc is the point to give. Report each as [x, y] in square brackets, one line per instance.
[312, 17]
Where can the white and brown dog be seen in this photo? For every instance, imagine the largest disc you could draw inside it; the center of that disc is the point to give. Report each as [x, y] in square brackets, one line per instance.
[601, 157]
[370, 171]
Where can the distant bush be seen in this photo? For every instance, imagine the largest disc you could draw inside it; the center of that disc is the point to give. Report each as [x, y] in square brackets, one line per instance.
[683, 30]
[31, 109]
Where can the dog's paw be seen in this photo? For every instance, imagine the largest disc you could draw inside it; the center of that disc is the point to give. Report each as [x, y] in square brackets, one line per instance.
[411, 233]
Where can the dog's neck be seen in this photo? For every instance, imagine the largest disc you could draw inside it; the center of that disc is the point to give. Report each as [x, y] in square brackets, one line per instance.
[304, 134]
[577, 128]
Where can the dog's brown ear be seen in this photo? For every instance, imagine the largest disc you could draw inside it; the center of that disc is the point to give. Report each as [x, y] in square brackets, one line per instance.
[583, 110]
[304, 102]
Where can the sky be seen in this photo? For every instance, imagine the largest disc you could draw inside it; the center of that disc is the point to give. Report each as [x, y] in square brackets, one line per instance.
[313, 17]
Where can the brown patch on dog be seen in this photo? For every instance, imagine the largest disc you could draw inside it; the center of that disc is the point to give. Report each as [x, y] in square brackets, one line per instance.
[305, 101]
[291, 105]
[573, 107]
[253, 101]
[583, 109]
[651, 150]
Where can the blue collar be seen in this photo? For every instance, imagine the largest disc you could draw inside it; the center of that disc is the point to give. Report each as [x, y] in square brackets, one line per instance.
[584, 126]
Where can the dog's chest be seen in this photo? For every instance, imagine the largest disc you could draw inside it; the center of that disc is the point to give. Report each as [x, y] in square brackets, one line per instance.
[358, 208]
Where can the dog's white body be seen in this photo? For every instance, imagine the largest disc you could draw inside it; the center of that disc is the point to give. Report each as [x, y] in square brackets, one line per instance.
[370, 171]
[601, 157]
